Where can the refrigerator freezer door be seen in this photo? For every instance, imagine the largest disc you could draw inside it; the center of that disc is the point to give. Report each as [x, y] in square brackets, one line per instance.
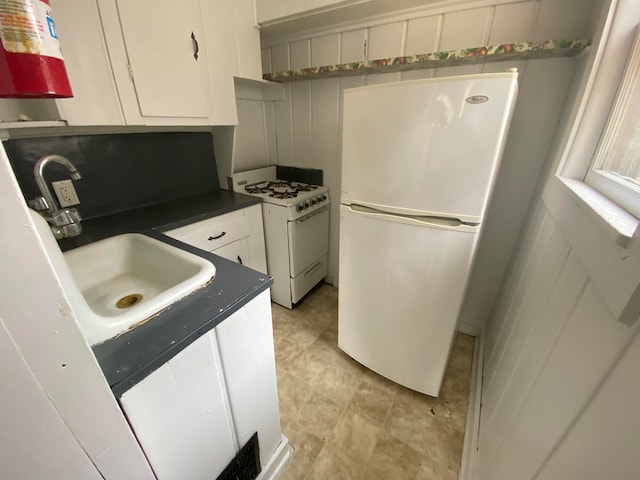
[426, 146]
[401, 288]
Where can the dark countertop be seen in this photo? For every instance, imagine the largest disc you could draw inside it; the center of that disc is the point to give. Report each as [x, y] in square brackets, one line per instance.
[161, 217]
[128, 358]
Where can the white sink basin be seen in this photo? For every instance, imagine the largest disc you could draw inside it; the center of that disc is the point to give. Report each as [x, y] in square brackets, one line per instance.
[126, 279]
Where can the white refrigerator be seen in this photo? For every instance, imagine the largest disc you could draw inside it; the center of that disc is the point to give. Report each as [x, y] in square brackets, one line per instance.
[419, 160]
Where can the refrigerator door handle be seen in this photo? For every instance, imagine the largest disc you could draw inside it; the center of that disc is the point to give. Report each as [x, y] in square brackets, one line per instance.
[445, 223]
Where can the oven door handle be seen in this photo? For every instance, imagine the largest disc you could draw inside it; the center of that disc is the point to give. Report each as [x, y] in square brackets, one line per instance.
[312, 214]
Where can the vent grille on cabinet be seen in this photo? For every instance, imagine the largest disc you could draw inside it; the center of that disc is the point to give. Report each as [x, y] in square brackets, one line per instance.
[246, 464]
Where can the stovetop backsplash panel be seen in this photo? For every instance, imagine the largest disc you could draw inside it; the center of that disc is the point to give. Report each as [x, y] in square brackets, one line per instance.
[121, 171]
[302, 175]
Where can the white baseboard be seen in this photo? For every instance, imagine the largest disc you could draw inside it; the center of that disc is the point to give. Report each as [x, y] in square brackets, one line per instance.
[469, 450]
[468, 328]
[275, 466]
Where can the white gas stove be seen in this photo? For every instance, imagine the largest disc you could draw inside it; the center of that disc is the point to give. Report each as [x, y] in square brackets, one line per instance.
[296, 230]
[300, 198]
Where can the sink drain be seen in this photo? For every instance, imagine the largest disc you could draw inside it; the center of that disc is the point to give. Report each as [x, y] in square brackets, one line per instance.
[129, 300]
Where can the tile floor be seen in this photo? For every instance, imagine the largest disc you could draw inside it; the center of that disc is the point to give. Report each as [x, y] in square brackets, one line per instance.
[346, 422]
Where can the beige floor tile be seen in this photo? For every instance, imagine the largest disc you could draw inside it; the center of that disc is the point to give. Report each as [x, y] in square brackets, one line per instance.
[411, 422]
[455, 386]
[418, 400]
[464, 341]
[333, 356]
[292, 393]
[319, 316]
[433, 471]
[286, 352]
[308, 365]
[355, 436]
[442, 445]
[371, 402]
[380, 381]
[303, 334]
[462, 352]
[306, 449]
[281, 329]
[393, 459]
[331, 464]
[282, 317]
[318, 415]
[337, 384]
[402, 433]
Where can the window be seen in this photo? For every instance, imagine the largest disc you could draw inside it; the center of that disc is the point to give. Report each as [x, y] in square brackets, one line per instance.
[615, 170]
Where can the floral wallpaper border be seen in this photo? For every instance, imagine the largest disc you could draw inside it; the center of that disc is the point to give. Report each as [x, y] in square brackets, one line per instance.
[467, 56]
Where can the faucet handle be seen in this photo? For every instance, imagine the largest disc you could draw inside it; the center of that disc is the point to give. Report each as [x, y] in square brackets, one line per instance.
[65, 216]
[39, 204]
[71, 230]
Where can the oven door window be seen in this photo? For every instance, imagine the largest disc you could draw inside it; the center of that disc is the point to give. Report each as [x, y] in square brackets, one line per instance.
[308, 240]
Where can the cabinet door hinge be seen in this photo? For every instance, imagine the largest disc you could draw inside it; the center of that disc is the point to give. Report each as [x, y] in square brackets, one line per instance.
[130, 72]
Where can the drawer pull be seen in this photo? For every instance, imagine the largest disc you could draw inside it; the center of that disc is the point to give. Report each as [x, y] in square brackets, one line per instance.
[217, 236]
[313, 269]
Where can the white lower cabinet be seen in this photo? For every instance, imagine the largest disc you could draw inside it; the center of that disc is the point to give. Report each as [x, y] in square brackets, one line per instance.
[180, 415]
[192, 415]
[248, 362]
[237, 236]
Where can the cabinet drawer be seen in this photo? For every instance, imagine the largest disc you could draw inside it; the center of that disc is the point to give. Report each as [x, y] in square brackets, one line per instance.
[214, 233]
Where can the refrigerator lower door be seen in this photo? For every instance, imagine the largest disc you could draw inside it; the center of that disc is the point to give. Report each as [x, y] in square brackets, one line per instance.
[401, 287]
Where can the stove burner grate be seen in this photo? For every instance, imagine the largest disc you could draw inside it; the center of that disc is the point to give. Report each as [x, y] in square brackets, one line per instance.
[301, 187]
[260, 187]
[256, 189]
[286, 194]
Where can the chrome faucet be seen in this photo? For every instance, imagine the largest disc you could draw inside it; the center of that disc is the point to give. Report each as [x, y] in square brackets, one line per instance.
[65, 222]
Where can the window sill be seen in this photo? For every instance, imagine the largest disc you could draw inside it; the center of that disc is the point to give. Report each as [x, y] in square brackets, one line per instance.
[618, 224]
[603, 238]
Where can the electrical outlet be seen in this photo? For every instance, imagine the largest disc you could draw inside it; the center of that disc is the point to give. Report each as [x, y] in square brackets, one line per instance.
[66, 193]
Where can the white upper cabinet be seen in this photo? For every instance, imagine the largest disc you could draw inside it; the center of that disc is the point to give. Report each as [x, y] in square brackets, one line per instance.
[232, 37]
[159, 60]
[95, 97]
[247, 40]
[145, 62]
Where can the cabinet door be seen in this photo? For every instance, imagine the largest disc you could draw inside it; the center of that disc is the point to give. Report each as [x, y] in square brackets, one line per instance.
[247, 40]
[180, 415]
[95, 97]
[237, 251]
[169, 80]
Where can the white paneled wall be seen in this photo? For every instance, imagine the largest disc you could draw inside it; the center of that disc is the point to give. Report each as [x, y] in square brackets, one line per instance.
[549, 345]
[466, 28]
[306, 137]
[598, 446]
[423, 35]
[559, 389]
[251, 142]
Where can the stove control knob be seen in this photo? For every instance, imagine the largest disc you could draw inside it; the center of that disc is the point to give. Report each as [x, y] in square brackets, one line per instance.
[324, 197]
[299, 207]
[313, 201]
[306, 204]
